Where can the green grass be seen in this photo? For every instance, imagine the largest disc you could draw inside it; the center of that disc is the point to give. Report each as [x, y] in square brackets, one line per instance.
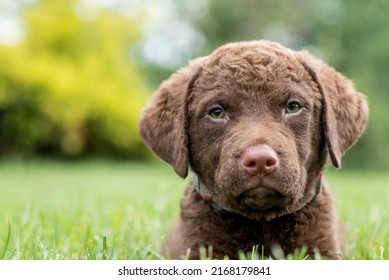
[118, 210]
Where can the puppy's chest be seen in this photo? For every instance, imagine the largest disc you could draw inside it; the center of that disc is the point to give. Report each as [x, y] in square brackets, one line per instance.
[240, 232]
[261, 232]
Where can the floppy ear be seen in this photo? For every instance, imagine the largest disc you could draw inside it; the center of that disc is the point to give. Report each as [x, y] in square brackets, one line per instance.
[344, 111]
[163, 122]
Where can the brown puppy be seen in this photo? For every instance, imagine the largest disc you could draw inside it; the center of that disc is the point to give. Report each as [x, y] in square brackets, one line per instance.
[255, 122]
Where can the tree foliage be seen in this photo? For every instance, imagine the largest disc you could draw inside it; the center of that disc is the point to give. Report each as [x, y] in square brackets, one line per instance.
[70, 88]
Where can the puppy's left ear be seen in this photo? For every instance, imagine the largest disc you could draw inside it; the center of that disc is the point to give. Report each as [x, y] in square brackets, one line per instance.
[344, 111]
[163, 122]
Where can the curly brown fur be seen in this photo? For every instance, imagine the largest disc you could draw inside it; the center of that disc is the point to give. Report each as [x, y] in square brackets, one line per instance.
[259, 160]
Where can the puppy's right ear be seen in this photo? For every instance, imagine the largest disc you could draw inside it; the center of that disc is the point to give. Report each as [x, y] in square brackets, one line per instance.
[163, 123]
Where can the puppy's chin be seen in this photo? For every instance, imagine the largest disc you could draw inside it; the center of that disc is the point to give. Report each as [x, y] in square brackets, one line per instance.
[268, 214]
[259, 198]
[261, 203]
[262, 199]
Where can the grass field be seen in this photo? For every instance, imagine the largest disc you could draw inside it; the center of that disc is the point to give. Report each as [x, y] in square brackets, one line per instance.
[118, 210]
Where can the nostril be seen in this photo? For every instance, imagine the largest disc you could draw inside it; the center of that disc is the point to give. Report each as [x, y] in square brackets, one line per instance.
[271, 162]
[249, 162]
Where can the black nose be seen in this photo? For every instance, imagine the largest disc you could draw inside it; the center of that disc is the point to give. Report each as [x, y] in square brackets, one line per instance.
[260, 160]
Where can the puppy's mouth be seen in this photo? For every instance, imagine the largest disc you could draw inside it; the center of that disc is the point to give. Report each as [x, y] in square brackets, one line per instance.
[262, 199]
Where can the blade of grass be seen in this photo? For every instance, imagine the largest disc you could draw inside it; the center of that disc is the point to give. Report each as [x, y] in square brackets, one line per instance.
[105, 248]
[6, 241]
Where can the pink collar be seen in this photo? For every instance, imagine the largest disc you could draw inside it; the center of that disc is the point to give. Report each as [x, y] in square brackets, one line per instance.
[203, 192]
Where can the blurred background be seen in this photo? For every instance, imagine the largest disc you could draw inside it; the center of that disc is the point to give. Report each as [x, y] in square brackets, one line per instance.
[75, 74]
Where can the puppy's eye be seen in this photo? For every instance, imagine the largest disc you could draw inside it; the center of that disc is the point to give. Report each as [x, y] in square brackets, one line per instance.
[292, 107]
[217, 113]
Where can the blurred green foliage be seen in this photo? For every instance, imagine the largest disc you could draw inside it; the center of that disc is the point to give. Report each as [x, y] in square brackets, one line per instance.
[75, 84]
[69, 87]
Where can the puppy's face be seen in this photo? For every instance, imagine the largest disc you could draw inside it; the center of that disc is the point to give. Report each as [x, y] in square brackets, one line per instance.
[255, 132]
[255, 121]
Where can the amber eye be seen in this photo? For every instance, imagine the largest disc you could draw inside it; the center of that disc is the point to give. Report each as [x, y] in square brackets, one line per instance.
[217, 113]
[292, 107]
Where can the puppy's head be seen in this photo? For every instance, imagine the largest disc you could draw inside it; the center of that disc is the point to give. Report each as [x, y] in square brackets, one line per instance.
[255, 121]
